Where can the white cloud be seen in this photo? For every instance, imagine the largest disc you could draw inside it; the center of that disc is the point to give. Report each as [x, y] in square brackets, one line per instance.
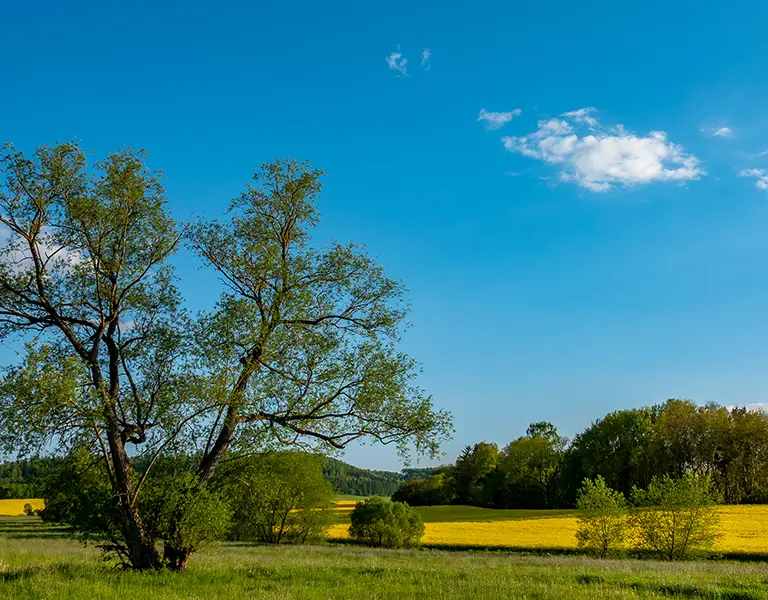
[425, 59]
[495, 120]
[582, 116]
[601, 158]
[397, 62]
[755, 407]
[759, 175]
[15, 254]
[723, 131]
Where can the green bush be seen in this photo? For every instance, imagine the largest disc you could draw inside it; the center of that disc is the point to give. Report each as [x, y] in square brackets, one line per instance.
[28, 510]
[675, 516]
[279, 497]
[602, 518]
[382, 523]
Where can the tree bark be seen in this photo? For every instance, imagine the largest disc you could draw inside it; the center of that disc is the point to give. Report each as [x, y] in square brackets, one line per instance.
[176, 559]
[140, 546]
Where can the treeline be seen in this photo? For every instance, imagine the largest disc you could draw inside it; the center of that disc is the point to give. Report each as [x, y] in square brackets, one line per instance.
[24, 478]
[347, 479]
[628, 448]
[27, 478]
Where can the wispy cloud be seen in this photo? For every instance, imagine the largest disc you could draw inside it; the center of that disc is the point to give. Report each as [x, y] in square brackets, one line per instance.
[16, 256]
[495, 120]
[600, 158]
[717, 131]
[755, 407]
[397, 62]
[425, 55]
[759, 175]
[582, 116]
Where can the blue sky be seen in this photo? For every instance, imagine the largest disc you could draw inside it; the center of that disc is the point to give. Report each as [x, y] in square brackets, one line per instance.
[559, 266]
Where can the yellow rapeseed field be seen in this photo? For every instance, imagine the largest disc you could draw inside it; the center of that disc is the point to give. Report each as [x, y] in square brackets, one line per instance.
[743, 528]
[13, 508]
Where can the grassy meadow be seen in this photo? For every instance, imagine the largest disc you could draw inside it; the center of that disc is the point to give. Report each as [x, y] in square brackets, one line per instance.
[41, 562]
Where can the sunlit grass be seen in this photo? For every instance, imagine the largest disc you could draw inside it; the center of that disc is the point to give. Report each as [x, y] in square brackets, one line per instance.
[59, 569]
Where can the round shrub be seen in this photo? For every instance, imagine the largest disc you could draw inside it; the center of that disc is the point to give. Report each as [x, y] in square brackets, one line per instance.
[382, 523]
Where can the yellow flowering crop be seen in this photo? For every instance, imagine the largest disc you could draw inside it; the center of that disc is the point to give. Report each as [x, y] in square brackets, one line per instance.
[13, 508]
[742, 528]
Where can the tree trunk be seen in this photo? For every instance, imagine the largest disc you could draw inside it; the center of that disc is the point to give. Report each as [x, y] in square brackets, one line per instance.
[142, 552]
[176, 559]
[140, 546]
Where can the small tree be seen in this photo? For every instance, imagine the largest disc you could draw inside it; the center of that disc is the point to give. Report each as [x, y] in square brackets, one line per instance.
[675, 516]
[182, 516]
[382, 523]
[279, 497]
[602, 522]
[78, 494]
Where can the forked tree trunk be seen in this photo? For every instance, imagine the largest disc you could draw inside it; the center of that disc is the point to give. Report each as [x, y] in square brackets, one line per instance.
[175, 559]
[140, 546]
[142, 553]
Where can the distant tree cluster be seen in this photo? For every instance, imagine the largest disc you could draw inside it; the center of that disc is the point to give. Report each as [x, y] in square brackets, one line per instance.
[627, 448]
[23, 478]
[347, 479]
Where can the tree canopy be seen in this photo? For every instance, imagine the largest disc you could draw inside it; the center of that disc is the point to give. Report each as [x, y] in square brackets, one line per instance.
[626, 448]
[299, 351]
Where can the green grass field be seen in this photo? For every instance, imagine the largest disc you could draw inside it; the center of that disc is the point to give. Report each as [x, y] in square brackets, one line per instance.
[42, 563]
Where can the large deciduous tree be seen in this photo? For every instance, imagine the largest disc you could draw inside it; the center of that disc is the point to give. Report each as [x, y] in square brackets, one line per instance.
[300, 350]
[84, 281]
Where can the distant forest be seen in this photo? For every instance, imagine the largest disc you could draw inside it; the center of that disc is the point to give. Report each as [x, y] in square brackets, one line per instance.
[628, 448]
[25, 478]
[347, 479]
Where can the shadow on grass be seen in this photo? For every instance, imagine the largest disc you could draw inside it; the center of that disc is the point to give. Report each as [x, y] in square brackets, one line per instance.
[672, 591]
[62, 570]
[527, 551]
[31, 528]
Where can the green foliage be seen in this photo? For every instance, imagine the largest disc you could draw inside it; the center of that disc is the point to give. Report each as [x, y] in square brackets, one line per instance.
[602, 517]
[473, 466]
[382, 523]
[417, 472]
[78, 494]
[675, 516]
[304, 337]
[627, 448]
[300, 350]
[436, 489]
[24, 478]
[354, 481]
[279, 497]
[529, 469]
[616, 447]
[183, 517]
